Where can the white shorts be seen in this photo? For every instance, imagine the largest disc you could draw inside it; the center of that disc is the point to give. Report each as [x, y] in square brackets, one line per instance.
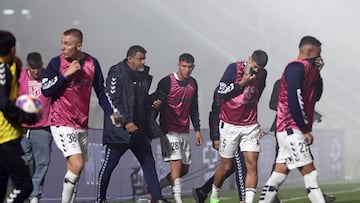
[232, 136]
[175, 146]
[70, 141]
[293, 149]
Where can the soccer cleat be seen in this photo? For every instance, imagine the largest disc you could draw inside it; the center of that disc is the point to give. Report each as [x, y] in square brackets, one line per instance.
[214, 200]
[198, 195]
[329, 198]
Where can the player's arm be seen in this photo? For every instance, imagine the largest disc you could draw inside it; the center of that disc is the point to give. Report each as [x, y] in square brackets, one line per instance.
[156, 100]
[227, 86]
[262, 82]
[115, 93]
[195, 116]
[274, 96]
[214, 120]
[9, 109]
[99, 88]
[319, 88]
[214, 117]
[164, 86]
[163, 89]
[52, 81]
[194, 109]
[294, 78]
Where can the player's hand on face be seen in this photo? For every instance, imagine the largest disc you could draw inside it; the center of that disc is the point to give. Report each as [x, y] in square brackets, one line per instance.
[73, 68]
[216, 144]
[309, 138]
[246, 79]
[319, 62]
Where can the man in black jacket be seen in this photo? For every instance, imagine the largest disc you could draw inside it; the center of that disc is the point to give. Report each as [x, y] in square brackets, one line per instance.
[127, 87]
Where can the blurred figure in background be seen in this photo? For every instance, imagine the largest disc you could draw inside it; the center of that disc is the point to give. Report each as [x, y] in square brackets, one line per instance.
[37, 140]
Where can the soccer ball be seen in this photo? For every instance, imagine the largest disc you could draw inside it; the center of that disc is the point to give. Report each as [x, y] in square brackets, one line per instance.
[29, 103]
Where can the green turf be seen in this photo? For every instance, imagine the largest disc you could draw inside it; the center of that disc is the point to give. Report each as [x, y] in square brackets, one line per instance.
[344, 192]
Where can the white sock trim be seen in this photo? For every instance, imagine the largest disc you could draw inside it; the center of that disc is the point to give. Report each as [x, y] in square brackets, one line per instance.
[276, 179]
[310, 180]
[215, 192]
[72, 177]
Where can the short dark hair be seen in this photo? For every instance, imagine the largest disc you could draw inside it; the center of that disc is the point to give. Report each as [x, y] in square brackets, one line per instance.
[309, 40]
[260, 57]
[74, 32]
[135, 49]
[34, 60]
[7, 41]
[188, 58]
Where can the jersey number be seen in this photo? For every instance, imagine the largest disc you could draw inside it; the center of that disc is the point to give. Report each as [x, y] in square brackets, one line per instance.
[71, 137]
[303, 147]
[174, 146]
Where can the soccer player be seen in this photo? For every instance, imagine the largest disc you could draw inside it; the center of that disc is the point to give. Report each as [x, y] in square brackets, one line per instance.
[37, 141]
[12, 163]
[200, 194]
[273, 106]
[68, 81]
[240, 89]
[299, 90]
[180, 105]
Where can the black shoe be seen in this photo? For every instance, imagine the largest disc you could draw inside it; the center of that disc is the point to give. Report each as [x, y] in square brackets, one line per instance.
[198, 195]
[329, 198]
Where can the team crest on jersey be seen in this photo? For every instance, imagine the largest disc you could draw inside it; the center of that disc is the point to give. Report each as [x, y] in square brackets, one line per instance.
[34, 88]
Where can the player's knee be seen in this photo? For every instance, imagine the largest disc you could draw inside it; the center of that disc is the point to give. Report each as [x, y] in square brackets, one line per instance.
[226, 167]
[76, 168]
[76, 164]
[251, 164]
[307, 169]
